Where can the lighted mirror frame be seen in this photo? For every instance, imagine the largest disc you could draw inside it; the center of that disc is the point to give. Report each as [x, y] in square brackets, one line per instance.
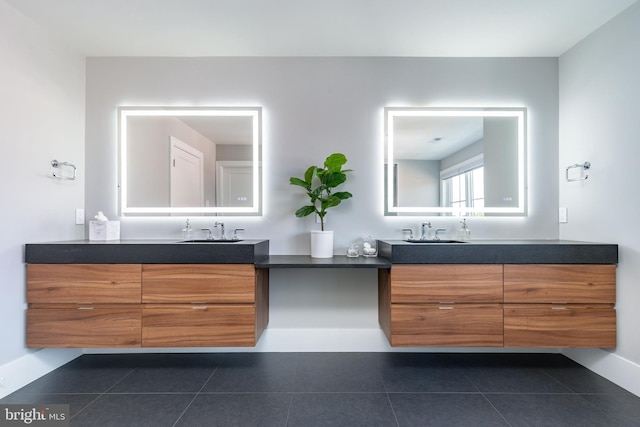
[255, 113]
[391, 113]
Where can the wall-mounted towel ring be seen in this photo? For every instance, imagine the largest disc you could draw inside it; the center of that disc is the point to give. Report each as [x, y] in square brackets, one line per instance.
[584, 166]
[57, 164]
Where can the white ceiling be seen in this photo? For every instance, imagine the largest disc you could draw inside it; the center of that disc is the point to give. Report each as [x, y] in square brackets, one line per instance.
[320, 27]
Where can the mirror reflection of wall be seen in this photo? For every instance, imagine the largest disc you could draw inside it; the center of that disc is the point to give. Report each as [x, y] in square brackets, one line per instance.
[455, 161]
[170, 160]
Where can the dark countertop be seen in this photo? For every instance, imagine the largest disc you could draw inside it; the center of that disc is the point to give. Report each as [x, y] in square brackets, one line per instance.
[305, 261]
[152, 251]
[172, 251]
[499, 252]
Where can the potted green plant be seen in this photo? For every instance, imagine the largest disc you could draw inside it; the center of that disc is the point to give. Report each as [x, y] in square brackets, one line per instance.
[319, 183]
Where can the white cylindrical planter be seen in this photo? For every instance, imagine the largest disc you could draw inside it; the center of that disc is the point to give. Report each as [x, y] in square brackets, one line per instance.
[321, 244]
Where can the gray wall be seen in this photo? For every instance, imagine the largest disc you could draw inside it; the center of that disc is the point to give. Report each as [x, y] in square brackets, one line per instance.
[41, 119]
[316, 106]
[599, 116]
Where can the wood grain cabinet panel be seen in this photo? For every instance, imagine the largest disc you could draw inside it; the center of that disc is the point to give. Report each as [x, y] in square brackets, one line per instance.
[560, 283]
[441, 305]
[455, 325]
[83, 283]
[564, 325]
[202, 305]
[436, 283]
[198, 325]
[103, 325]
[187, 283]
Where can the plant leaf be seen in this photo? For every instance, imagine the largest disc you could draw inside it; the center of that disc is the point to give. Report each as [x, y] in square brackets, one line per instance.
[297, 181]
[342, 195]
[308, 175]
[335, 161]
[305, 211]
[334, 179]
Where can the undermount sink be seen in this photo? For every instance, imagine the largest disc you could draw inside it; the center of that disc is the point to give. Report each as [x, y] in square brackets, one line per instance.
[434, 241]
[210, 241]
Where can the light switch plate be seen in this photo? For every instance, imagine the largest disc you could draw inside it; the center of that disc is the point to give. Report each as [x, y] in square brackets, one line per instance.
[562, 215]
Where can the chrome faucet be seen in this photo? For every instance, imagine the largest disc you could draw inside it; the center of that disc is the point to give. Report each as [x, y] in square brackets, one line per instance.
[436, 237]
[410, 232]
[209, 233]
[222, 235]
[425, 233]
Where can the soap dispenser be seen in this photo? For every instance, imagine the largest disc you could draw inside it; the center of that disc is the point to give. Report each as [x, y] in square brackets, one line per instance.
[187, 231]
[464, 234]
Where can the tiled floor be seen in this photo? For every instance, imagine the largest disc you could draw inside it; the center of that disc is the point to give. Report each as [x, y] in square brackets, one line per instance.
[332, 389]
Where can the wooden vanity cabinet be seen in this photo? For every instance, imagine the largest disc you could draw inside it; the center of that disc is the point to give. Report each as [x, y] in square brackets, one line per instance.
[560, 305]
[510, 305]
[149, 305]
[198, 305]
[83, 305]
[441, 305]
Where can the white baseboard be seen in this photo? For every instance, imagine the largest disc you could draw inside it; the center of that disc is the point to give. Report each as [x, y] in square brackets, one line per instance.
[617, 369]
[20, 372]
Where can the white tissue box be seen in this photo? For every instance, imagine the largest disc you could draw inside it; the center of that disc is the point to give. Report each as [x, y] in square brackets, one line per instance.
[104, 230]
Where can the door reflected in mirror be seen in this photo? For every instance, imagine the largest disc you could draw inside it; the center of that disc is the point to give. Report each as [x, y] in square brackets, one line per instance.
[455, 161]
[190, 161]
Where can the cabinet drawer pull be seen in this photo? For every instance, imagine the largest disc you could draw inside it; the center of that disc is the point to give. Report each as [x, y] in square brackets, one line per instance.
[199, 307]
[85, 308]
[558, 308]
[445, 308]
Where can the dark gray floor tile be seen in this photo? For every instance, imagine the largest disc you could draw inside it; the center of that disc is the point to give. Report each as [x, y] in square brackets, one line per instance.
[163, 380]
[415, 372]
[140, 410]
[549, 410]
[237, 409]
[339, 372]
[506, 379]
[78, 379]
[76, 402]
[426, 379]
[178, 360]
[624, 407]
[254, 372]
[509, 360]
[428, 409]
[581, 380]
[340, 409]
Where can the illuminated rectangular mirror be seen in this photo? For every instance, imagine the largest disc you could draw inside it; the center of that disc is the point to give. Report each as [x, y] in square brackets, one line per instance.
[190, 161]
[455, 161]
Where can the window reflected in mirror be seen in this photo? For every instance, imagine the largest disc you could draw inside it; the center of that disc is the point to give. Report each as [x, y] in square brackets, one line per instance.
[190, 161]
[455, 161]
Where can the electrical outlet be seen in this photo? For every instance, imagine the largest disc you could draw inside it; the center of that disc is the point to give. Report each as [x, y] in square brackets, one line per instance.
[562, 215]
[79, 216]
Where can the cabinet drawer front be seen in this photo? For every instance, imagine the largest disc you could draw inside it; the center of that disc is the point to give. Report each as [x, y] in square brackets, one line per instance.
[78, 283]
[446, 283]
[568, 283]
[546, 325]
[455, 325]
[187, 283]
[84, 326]
[198, 325]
